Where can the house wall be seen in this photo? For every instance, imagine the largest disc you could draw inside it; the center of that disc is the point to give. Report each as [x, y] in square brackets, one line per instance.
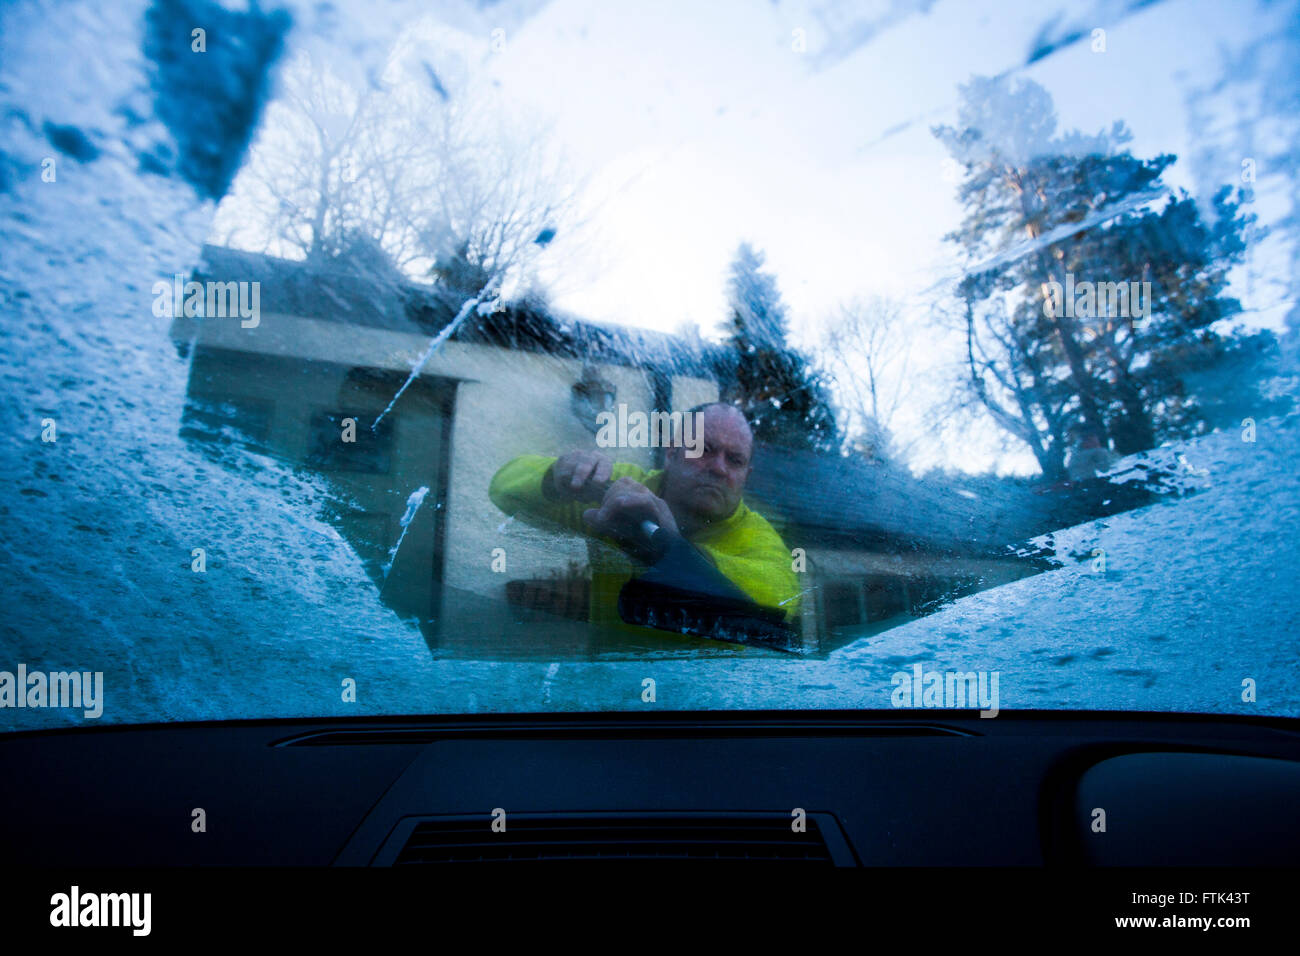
[858, 593]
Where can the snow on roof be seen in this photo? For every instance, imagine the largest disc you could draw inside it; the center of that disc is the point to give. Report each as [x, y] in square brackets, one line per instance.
[390, 301]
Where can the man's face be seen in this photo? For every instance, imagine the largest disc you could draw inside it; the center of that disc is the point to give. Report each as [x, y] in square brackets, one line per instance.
[709, 488]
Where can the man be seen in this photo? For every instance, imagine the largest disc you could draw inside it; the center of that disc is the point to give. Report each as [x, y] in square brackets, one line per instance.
[698, 499]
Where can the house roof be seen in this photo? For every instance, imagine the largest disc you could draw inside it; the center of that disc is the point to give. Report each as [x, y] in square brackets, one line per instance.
[384, 299]
[840, 502]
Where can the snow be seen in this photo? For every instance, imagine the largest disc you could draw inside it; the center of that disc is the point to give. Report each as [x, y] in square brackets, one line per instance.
[1197, 595]
[435, 343]
[100, 526]
[412, 506]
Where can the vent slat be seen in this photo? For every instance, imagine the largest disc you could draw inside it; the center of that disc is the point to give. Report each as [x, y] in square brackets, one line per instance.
[749, 839]
[715, 731]
[617, 852]
[625, 841]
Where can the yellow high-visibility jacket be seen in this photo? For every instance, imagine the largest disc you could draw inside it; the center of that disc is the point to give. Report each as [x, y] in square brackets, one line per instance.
[744, 546]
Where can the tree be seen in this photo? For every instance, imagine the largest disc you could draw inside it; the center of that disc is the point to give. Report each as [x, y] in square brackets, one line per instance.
[458, 271]
[868, 351]
[785, 399]
[1007, 373]
[1046, 211]
[758, 315]
[431, 172]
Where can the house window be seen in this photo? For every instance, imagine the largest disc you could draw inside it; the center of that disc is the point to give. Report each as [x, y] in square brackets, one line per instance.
[368, 452]
[843, 603]
[887, 596]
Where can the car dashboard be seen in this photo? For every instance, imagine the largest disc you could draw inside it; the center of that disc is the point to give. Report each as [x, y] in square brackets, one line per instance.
[846, 789]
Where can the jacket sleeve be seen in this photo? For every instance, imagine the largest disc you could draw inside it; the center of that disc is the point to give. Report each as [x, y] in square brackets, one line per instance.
[517, 490]
[758, 562]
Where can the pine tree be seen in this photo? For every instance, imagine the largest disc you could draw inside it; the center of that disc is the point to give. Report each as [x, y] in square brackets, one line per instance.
[785, 399]
[1048, 211]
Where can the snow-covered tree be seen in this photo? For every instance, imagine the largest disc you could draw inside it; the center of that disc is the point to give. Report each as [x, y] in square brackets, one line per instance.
[1046, 211]
[424, 166]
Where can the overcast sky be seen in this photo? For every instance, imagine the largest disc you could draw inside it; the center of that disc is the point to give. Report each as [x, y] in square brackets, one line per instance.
[702, 127]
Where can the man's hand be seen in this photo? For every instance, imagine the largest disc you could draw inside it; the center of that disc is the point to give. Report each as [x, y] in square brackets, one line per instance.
[580, 476]
[626, 504]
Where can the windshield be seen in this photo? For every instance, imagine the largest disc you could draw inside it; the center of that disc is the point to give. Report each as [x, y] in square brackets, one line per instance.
[519, 356]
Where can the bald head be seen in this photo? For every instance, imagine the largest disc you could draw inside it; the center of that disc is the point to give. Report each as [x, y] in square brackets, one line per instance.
[709, 487]
[725, 410]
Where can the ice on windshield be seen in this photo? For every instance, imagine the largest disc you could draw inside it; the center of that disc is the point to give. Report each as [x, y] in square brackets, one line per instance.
[985, 320]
